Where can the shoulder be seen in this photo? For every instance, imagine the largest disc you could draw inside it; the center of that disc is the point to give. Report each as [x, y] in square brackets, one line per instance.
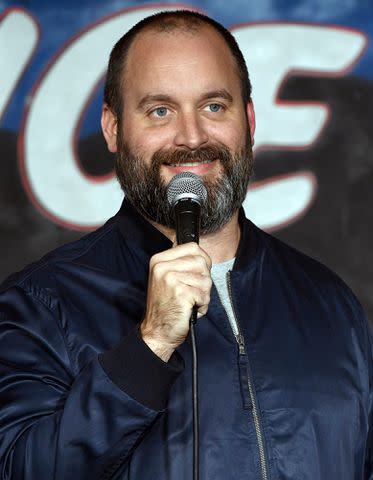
[307, 277]
[40, 277]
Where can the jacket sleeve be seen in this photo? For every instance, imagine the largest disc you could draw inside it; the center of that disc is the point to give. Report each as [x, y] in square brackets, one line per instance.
[58, 423]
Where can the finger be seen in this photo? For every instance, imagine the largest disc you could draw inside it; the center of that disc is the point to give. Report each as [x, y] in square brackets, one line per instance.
[185, 265]
[192, 296]
[173, 280]
[202, 311]
[178, 251]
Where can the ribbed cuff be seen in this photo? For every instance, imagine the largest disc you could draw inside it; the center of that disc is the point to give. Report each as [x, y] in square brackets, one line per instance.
[138, 371]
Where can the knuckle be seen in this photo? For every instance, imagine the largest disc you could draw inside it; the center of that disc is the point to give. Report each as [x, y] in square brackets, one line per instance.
[151, 264]
[207, 283]
[199, 265]
[154, 267]
[195, 247]
[154, 260]
[157, 270]
[207, 264]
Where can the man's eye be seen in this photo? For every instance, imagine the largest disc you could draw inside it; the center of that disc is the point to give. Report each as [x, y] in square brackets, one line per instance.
[160, 112]
[214, 107]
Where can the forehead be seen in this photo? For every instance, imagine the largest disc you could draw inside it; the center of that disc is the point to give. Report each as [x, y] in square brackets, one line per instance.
[157, 59]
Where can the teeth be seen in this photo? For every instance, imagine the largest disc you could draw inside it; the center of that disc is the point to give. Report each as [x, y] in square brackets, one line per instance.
[189, 164]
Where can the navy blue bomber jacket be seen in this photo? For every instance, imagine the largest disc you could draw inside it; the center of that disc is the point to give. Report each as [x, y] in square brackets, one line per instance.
[83, 397]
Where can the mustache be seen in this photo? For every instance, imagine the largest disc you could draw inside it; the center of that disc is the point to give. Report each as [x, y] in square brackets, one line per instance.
[180, 156]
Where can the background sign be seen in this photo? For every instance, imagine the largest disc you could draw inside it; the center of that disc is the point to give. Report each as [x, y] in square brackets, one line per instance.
[311, 70]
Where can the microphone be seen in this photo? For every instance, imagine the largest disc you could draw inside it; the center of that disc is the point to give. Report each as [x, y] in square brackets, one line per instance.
[186, 193]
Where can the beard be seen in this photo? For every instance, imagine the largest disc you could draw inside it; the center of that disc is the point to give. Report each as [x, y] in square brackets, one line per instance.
[146, 190]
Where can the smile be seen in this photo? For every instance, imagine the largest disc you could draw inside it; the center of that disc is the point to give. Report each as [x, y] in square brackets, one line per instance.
[190, 164]
[199, 167]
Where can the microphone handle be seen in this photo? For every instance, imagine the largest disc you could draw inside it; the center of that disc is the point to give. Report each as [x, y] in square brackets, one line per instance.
[187, 217]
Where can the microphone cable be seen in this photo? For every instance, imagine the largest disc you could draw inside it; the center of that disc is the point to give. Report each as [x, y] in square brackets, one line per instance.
[193, 321]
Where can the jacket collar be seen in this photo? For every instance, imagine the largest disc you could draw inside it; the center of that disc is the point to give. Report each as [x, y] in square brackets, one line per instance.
[138, 231]
[250, 245]
[141, 233]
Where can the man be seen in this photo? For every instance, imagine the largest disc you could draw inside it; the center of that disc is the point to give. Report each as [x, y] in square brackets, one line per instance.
[95, 357]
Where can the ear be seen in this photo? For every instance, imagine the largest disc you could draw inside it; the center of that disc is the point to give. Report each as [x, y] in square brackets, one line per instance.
[109, 125]
[251, 119]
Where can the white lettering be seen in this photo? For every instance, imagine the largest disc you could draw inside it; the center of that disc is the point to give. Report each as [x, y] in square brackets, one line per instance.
[18, 39]
[272, 52]
[57, 185]
[279, 201]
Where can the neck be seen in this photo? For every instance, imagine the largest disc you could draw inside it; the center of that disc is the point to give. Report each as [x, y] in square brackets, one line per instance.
[220, 246]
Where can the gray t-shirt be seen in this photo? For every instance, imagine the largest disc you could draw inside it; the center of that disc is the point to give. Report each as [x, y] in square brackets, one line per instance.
[219, 274]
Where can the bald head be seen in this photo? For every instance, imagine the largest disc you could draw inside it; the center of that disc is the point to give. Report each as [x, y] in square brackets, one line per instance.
[177, 22]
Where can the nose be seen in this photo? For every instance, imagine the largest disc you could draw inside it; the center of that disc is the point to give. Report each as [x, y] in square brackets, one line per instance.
[190, 131]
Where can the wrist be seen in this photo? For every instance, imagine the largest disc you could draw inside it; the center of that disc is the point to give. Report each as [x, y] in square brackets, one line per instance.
[161, 349]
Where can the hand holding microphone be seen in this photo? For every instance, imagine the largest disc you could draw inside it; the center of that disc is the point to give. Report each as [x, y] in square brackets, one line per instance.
[179, 278]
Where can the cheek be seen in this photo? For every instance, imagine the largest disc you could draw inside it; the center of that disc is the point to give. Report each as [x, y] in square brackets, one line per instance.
[232, 130]
[144, 142]
[232, 136]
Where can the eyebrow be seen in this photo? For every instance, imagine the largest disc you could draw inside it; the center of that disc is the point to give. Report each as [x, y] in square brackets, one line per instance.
[155, 98]
[222, 93]
[149, 98]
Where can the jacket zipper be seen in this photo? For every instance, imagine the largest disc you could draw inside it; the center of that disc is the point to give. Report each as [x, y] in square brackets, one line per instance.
[242, 351]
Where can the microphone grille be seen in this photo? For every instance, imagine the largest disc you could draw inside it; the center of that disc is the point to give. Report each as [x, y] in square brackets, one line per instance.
[186, 185]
